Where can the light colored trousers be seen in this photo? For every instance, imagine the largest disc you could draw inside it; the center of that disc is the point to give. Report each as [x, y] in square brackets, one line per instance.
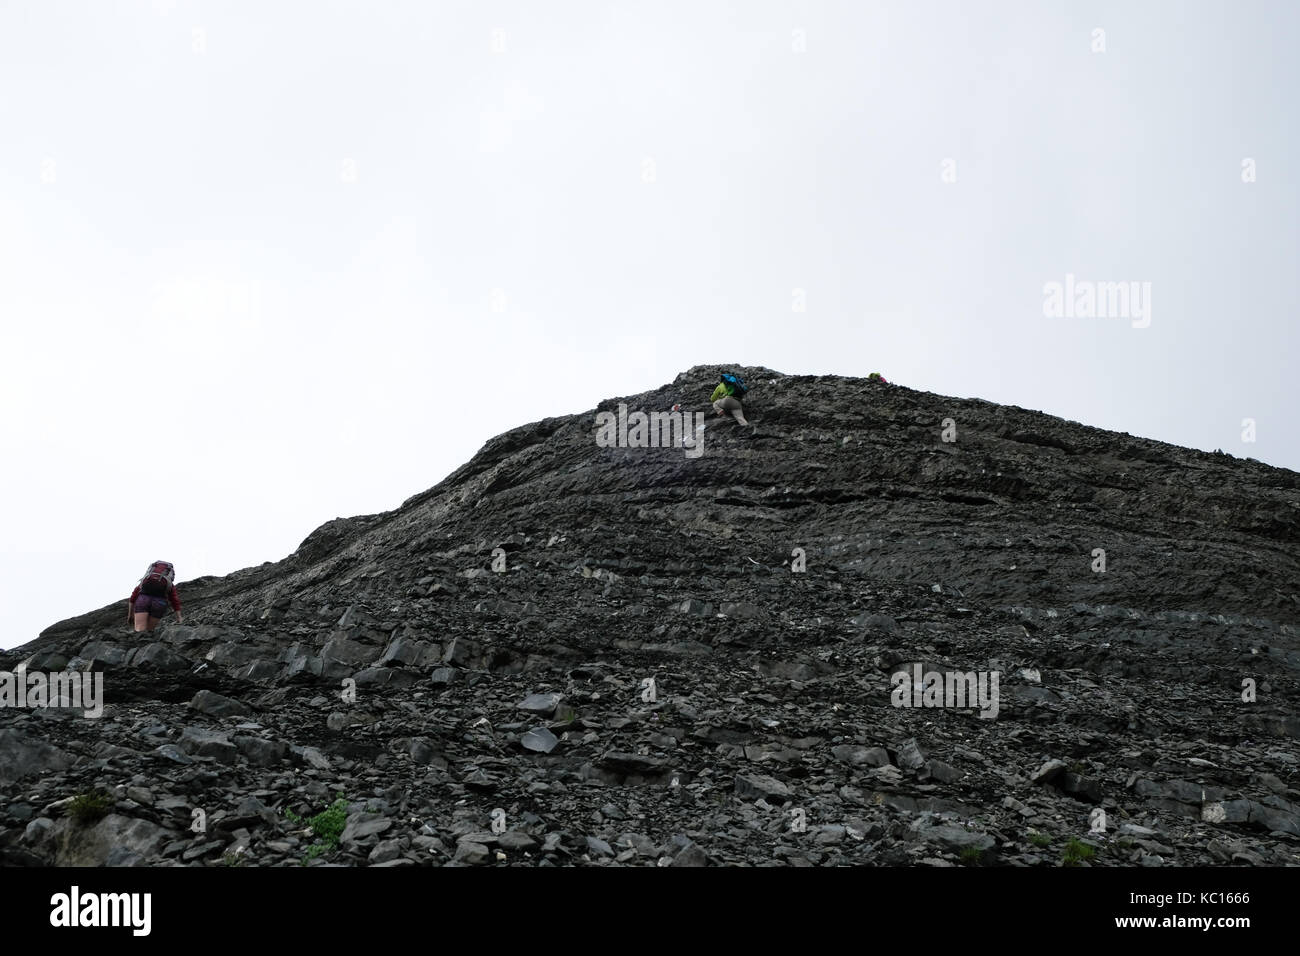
[729, 403]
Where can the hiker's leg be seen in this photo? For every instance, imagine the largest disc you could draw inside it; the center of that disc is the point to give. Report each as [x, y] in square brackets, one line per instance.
[158, 609]
[148, 612]
[717, 406]
[143, 608]
[731, 404]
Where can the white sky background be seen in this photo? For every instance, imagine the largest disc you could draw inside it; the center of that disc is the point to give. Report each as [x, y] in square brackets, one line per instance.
[246, 275]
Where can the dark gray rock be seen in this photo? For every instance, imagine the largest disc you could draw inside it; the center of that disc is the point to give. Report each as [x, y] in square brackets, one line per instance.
[378, 677]
[172, 753]
[856, 755]
[472, 853]
[22, 756]
[516, 841]
[635, 764]
[45, 661]
[1182, 791]
[423, 751]
[944, 773]
[301, 662]
[1049, 772]
[876, 625]
[691, 855]
[215, 705]
[954, 838]
[258, 672]
[407, 652]
[310, 756]
[385, 851]
[261, 752]
[462, 652]
[755, 786]
[201, 742]
[1085, 788]
[101, 655]
[363, 827]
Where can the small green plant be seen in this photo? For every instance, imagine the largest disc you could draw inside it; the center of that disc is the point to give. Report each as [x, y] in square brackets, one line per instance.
[1040, 839]
[292, 817]
[328, 826]
[1076, 852]
[233, 859]
[329, 823]
[970, 856]
[89, 807]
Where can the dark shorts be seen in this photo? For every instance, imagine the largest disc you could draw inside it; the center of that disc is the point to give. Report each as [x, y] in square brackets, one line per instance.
[153, 606]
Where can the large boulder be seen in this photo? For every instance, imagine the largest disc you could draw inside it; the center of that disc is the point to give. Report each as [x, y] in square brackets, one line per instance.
[22, 756]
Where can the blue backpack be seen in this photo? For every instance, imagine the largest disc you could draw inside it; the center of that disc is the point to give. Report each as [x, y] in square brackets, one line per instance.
[738, 386]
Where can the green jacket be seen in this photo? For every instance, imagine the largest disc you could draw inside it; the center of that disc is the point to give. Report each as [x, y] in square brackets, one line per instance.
[721, 391]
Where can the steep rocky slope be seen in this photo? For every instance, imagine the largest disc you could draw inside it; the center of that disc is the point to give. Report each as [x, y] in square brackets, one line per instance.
[1138, 602]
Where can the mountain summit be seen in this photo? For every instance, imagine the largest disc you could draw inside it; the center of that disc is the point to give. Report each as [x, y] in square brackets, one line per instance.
[875, 626]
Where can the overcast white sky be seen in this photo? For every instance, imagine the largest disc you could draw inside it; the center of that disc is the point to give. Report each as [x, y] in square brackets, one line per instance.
[267, 263]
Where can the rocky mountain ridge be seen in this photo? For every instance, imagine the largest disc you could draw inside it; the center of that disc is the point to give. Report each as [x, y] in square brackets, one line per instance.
[568, 653]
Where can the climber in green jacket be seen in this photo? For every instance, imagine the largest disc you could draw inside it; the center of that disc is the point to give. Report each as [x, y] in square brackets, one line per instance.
[726, 397]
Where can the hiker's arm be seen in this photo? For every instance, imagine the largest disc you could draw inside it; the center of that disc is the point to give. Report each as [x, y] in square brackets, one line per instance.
[175, 597]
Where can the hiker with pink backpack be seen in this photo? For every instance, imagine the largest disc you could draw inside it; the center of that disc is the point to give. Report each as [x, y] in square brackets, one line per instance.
[148, 602]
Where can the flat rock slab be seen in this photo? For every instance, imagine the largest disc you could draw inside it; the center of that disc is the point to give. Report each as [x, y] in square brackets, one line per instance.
[215, 705]
[955, 838]
[754, 786]
[516, 840]
[856, 755]
[543, 704]
[472, 853]
[539, 739]
[362, 827]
